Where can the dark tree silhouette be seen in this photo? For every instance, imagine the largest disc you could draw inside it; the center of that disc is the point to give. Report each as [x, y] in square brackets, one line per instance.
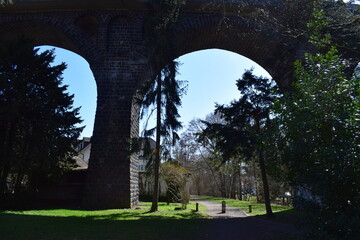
[245, 122]
[37, 120]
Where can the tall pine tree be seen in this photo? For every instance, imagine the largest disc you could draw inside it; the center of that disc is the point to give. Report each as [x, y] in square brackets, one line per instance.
[37, 120]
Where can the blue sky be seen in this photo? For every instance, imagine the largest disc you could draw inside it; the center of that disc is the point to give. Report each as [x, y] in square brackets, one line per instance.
[211, 76]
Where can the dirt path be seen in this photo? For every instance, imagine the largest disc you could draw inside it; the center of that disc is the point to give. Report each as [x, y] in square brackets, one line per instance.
[235, 224]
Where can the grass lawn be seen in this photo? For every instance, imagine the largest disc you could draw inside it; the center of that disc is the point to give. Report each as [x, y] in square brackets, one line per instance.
[141, 212]
[106, 224]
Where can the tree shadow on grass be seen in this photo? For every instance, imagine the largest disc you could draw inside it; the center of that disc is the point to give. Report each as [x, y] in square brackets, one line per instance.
[18, 226]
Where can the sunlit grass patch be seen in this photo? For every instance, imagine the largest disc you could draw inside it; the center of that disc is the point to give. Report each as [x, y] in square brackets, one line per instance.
[141, 212]
[111, 224]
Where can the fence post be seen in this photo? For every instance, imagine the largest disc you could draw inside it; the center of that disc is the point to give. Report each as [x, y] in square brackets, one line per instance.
[250, 208]
[197, 207]
[223, 207]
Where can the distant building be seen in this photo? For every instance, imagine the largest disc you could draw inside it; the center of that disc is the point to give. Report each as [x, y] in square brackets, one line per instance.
[146, 184]
[83, 156]
[146, 145]
[84, 151]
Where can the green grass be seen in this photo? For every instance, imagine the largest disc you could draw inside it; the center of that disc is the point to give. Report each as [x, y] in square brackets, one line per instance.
[117, 224]
[141, 212]
[59, 224]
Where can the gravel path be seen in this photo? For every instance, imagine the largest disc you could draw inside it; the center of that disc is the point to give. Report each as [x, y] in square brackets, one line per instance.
[214, 210]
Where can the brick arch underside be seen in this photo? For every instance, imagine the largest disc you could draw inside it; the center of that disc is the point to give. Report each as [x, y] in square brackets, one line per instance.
[41, 34]
[47, 31]
[264, 48]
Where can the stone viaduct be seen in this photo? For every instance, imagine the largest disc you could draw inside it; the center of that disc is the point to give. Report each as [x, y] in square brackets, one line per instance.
[109, 35]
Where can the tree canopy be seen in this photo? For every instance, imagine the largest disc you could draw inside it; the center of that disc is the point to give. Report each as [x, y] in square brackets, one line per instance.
[318, 136]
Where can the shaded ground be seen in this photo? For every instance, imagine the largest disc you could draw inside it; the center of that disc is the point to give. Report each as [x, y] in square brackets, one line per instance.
[235, 224]
[14, 227]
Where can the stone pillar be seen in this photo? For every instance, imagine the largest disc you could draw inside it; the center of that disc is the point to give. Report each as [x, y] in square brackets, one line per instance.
[119, 64]
[112, 180]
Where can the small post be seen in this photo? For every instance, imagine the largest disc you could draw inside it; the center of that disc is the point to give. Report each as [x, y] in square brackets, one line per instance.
[223, 207]
[250, 208]
[197, 207]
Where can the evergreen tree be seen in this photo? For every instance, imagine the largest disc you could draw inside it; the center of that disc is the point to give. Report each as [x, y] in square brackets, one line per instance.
[37, 120]
[165, 93]
[164, 90]
[245, 123]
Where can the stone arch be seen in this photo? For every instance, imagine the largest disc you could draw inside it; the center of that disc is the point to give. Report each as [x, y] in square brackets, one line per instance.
[240, 36]
[119, 67]
[68, 33]
[41, 34]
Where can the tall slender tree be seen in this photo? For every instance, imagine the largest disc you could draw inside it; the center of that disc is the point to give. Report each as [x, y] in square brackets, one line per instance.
[164, 90]
[165, 94]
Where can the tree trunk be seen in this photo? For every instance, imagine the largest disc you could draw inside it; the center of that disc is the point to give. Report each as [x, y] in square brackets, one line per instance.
[233, 187]
[222, 185]
[6, 165]
[213, 175]
[255, 182]
[155, 200]
[3, 180]
[18, 184]
[269, 212]
[240, 185]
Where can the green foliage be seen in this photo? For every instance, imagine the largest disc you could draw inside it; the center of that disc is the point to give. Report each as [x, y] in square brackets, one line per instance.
[163, 92]
[5, 2]
[246, 118]
[37, 120]
[168, 90]
[176, 179]
[319, 136]
[318, 38]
